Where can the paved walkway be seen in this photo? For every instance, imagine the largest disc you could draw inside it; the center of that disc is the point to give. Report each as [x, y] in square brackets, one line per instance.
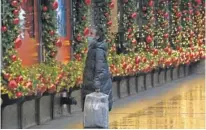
[178, 104]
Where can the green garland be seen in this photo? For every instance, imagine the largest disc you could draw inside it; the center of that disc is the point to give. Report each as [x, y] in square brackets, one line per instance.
[49, 26]
[162, 27]
[9, 30]
[79, 43]
[176, 24]
[148, 29]
[130, 24]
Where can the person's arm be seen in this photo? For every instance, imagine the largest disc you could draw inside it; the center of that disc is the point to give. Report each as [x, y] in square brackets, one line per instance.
[99, 68]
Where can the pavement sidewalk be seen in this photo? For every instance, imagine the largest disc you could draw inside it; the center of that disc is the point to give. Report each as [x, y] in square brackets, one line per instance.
[144, 99]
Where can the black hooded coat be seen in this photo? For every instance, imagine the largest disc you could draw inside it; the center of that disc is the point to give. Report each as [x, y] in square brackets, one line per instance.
[96, 72]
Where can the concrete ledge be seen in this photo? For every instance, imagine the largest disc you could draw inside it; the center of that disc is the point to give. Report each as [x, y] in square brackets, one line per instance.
[199, 67]
[28, 114]
[57, 112]
[187, 70]
[155, 79]
[115, 92]
[174, 74]
[181, 71]
[148, 82]
[140, 83]
[77, 95]
[45, 109]
[132, 85]
[123, 87]
[168, 75]
[9, 117]
[161, 77]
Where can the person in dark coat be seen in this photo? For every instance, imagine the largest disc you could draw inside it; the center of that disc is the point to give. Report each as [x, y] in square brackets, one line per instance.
[96, 76]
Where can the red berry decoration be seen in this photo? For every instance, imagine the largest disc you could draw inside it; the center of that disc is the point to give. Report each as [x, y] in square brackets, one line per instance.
[86, 31]
[3, 28]
[20, 78]
[88, 2]
[149, 39]
[7, 76]
[111, 5]
[55, 5]
[17, 43]
[134, 15]
[51, 32]
[19, 94]
[198, 1]
[59, 43]
[134, 41]
[12, 84]
[16, 21]
[151, 3]
[14, 3]
[166, 35]
[16, 12]
[45, 9]
[166, 15]
[109, 23]
[13, 58]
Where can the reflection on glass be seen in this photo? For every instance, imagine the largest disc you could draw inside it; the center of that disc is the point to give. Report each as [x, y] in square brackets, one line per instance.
[61, 18]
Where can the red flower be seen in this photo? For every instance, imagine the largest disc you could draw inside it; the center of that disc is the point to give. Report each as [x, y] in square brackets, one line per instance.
[151, 3]
[59, 43]
[3, 28]
[19, 94]
[55, 5]
[198, 1]
[149, 39]
[16, 12]
[16, 21]
[166, 35]
[134, 15]
[45, 8]
[17, 43]
[12, 84]
[86, 31]
[109, 23]
[88, 2]
[111, 5]
[14, 3]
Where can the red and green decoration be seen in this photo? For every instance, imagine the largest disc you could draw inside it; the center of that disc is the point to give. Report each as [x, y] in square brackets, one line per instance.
[10, 30]
[162, 26]
[79, 43]
[148, 20]
[188, 34]
[49, 26]
[176, 24]
[130, 24]
[199, 21]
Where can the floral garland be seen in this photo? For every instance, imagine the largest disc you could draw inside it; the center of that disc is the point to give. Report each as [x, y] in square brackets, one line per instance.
[187, 26]
[148, 29]
[198, 21]
[49, 26]
[130, 24]
[162, 27]
[176, 27]
[81, 30]
[10, 30]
